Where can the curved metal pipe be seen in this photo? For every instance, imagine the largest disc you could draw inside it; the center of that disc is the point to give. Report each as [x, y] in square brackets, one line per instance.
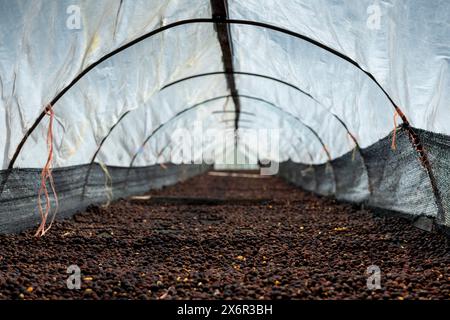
[245, 144]
[286, 83]
[225, 97]
[98, 150]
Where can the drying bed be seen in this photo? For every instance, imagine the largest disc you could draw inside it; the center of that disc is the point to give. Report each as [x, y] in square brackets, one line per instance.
[218, 236]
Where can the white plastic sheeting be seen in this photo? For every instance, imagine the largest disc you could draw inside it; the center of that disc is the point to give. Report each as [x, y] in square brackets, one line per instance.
[39, 55]
[404, 44]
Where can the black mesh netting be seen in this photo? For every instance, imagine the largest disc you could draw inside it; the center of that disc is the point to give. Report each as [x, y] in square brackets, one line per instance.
[438, 149]
[300, 174]
[18, 202]
[386, 178]
[352, 183]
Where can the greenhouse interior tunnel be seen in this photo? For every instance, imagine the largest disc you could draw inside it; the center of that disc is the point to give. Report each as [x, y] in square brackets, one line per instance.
[224, 148]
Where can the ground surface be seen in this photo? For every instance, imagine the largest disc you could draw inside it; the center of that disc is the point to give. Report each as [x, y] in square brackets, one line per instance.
[282, 243]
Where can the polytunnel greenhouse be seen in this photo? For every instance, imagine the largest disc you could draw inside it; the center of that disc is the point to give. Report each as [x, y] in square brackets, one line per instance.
[224, 149]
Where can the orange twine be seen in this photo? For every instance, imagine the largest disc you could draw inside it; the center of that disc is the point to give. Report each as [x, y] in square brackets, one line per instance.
[352, 144]
[46, 174]
[394, 132]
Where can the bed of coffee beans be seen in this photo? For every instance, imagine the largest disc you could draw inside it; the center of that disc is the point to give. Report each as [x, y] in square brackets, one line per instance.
[283, 244]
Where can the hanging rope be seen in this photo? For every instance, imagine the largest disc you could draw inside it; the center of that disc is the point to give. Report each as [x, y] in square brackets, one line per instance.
[354, 154]
[46, 175]
[394, 132]
[108, 184]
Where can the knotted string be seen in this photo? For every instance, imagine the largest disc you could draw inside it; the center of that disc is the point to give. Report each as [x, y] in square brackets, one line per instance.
[46, 175]
[394, 132]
